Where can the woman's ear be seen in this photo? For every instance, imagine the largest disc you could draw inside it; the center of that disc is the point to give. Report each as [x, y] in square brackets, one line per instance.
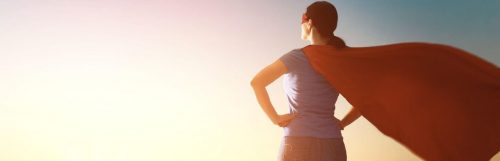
[309, 25]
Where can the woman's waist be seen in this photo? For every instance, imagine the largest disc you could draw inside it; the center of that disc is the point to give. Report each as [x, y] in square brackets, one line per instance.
[300, 127]
[316, 119]
[312, 114]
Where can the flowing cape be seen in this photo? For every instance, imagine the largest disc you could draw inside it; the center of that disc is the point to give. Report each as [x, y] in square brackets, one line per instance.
[442, 103]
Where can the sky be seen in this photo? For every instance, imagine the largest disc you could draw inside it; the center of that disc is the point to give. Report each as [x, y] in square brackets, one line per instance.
[127, 80]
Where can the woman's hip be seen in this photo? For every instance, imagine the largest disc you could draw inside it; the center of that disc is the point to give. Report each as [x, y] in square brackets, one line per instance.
[298, 148]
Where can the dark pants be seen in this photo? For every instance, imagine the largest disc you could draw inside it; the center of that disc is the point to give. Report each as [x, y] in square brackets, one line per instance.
[295, 148]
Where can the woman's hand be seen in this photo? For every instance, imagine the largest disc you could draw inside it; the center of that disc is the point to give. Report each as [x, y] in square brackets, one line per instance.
[353, 115]
[341, 125]
[284, 120]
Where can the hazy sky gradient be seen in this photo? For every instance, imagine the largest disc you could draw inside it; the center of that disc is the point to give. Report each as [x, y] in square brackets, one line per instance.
[127, 80]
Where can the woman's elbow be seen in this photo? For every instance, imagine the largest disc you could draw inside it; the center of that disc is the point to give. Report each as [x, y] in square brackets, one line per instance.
[255, 83]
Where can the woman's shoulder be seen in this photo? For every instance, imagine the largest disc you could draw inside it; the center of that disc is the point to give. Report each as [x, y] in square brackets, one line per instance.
[295, 53]
[295, 57]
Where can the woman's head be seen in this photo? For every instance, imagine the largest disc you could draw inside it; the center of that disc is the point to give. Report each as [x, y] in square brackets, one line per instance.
[320, 18]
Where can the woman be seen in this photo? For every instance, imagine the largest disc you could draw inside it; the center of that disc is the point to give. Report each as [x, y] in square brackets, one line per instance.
[312, 133]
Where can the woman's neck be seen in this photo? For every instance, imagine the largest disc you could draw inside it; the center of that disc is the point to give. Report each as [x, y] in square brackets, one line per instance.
[317, 39]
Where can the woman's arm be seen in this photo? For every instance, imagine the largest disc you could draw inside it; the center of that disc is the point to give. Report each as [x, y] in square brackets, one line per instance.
[259, 83]
[350, 117]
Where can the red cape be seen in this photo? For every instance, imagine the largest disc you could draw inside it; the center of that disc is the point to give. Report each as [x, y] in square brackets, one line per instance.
[442, 103]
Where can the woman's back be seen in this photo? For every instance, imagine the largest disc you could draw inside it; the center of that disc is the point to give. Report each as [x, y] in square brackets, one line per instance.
[311, 97]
